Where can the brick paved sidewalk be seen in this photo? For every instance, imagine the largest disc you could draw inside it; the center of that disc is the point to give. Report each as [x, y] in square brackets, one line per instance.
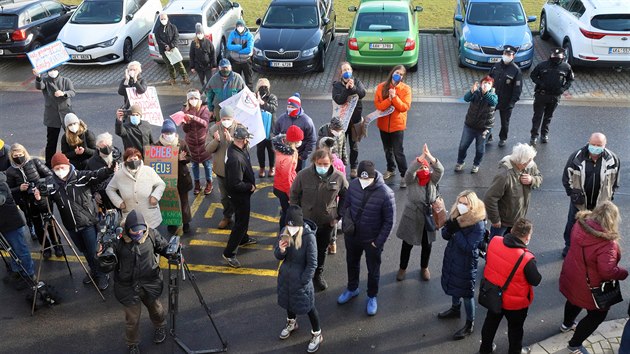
[605, 340]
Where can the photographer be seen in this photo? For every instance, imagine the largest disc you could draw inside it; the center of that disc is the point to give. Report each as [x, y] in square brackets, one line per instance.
[137, 277]
[133, 132]
[71, 191]
[107, 155]
[23, 178]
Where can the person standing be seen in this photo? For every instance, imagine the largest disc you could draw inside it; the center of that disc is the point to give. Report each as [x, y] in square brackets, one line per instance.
[552, 78]
[4, 156]
[167, 38]
[78, 142]
[286, 161]
[316, 190]
[295, 116]
[590, 178]
[107, 155]
[133, 132]
[297, 250]
[507, 198]
[195, 126]
[58, 92]
[593, 258]
[422, 182]
[222, 85]
[240, 46]
[202, 58]
[268, 103]
[464, 231]
[394, 92]
[334, 130]
[346, 86]
[503, 254]
[508, 83]
[371, 206]
[240, 184]
[132, 79]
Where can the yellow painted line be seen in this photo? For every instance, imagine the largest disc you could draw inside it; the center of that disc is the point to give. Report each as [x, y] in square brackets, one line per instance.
[263, 185]
[270, 195]
[211, 209]
[36, 256]
[226, 270]
[196, 203]
[214, 206]
[223, 244]
[213, 231]
[264, 217]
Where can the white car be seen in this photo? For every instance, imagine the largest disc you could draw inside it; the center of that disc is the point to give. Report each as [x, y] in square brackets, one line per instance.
[103, 32]
[593, 32]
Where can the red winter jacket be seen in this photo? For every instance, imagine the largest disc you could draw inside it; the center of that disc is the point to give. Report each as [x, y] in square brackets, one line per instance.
[285, 164]
[602, 255]
[196, 131]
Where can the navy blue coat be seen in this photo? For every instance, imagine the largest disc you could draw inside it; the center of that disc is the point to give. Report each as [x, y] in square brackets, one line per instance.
[461, 256]
[295, 278]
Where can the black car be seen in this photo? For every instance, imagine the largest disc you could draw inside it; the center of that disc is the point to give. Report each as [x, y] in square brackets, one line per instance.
[29, 24]
[294, 36]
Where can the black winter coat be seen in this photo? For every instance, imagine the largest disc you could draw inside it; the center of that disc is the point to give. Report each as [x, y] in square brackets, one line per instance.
[166, 35]
[461, 257]
[508, 83]
[202, 57]
[140, 85]
[340, 95]
[239, 175]
[552, 79]
[95, 163]
[480, 115]
[11, 218]
[4, 158]
[30, 172]
[136, 136]
[88, 144]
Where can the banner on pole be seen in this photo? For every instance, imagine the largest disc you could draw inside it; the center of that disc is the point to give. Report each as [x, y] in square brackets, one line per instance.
[164, 160]
[150, 103]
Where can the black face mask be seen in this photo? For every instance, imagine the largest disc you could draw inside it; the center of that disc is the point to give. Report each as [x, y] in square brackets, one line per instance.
[106, 150]
[19, 160]
[556, 60]
[133, 164]
[263, 90]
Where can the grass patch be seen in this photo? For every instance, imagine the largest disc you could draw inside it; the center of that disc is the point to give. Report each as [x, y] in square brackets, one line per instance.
[436, 13]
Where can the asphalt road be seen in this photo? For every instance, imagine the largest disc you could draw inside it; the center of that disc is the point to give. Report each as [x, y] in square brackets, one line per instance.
[244, 305]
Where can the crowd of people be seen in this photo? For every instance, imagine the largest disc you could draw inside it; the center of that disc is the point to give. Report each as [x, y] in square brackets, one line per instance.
[318, 199]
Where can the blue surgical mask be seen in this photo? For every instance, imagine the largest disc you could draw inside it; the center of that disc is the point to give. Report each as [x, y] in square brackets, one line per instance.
[347, 75]
[135, 120]
[322, 170]
[396, 77]
[595, 150]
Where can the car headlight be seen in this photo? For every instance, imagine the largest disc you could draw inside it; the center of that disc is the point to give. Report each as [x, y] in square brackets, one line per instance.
[526, 46]
[258, 52]
[472, 46]
[106, 44]
[310, 52]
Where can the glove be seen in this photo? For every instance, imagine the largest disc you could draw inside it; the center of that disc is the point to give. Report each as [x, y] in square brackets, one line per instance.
[452, 226]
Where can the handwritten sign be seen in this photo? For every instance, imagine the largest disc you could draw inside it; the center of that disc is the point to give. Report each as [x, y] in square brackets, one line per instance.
[344, 111]
[48, 57]
[163, 159]
[151, 110]
[247, 112]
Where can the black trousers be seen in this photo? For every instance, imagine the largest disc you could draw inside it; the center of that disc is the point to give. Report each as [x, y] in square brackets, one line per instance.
[544, 106]
[52, 138]
[587, 325]
[204, 75]
[283, 198]
[245, 69]
[228, 205]
[354, 149]
[425, 254]
[394, 151]
[313, 316]
[505, 114]
[322, 236]
[261, 148]
[354, 251]
[242, 206]
[515, 319]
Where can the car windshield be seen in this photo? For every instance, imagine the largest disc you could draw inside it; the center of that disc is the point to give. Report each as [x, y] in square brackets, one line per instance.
[612, 22]
[8, 21]
[291, 16]
[383, 21]
[496, 14]
[98, 12]
[184, 23]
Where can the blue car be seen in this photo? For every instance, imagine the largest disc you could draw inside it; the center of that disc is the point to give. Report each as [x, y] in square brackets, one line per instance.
[483, 27]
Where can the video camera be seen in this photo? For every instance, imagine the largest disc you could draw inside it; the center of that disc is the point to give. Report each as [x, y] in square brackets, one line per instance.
[44, 188]
[173, 251]
[109, 231]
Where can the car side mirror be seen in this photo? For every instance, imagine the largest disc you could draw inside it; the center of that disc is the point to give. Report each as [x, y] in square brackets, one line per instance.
[459, 18]
[325, 21]
[129, 17]
[258, 21]
[531, 18]
[418, 9]
[352, 8]
[235, 5]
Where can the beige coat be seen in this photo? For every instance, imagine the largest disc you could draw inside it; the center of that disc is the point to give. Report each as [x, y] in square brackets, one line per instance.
[219, 147]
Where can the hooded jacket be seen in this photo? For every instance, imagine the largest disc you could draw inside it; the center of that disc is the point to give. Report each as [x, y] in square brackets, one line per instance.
[480, 115]
[135, 136]
[218, 91]
[304, 122]
[402, 102]
[340, 141]
[202, 57]
[55, 108]
[88, 144]
[196, 133]
[285, 164]
[317, 195]
[240, 46]
[601, 258]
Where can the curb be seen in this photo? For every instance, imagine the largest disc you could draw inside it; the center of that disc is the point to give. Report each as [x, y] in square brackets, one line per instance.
[604, 340]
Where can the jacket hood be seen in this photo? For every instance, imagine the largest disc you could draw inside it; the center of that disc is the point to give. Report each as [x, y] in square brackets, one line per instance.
[591, 227]
[512, 241]
[280, 146]
[472, 217]
[310, 225]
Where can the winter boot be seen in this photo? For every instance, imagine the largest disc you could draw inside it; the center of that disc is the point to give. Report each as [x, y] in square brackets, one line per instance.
[465, 331]
[316, 340]
[290, 327]
[208, 188]
[319, 283]
[453, 312]
[197, 188]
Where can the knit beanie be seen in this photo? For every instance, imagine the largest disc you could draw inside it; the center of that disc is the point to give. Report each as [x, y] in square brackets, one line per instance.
[226, 111]
[168, 127]
[198, 28]
[70, 118]
[59, 159]
[294, 216]
[295, 101]
[295, 134]
[136, 109]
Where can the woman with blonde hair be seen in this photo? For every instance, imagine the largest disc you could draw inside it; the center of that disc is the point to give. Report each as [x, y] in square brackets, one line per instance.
[268, 104]
[593, 259]
[196, 122]
[78, 142]
[464, 232]
[132, 79]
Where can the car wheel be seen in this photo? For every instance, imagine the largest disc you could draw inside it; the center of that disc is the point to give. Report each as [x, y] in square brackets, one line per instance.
[460, 63]
[322, 62]
[127, 51]
[544, 33]
[568, 52]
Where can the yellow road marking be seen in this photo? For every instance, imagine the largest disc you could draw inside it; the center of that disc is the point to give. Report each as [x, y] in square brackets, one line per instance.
[214, 206]
[211, 209]
[195, 205]
[210, 230]
[223, 244]
[270, 195]
[264, 217]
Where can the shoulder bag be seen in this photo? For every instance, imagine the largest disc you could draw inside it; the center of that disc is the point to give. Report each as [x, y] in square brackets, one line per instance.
[347, 225]
[491, 295]
[605, 295]
[435, 215]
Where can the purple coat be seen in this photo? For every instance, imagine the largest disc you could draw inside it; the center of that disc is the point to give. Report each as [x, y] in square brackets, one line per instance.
[196, 131]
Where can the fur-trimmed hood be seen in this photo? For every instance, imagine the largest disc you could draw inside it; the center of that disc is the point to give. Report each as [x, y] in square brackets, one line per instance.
[280, 146]
[591, 227]
[472, 217]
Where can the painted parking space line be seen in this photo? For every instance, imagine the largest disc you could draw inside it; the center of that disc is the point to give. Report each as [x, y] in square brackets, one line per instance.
[213, 207]
[213, 231]
[224, 244]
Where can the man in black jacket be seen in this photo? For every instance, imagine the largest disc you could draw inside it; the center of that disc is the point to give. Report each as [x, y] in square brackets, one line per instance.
[240, 184]
[508, 84]
[167, 38]
[552, 78]
[134, 132]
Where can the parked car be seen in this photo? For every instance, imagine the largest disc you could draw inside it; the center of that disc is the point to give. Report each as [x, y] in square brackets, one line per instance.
[294, 36]
[384, 33]
[27, 25]
[106, 31]
[593, 32]
[218, 18]
[483, 27]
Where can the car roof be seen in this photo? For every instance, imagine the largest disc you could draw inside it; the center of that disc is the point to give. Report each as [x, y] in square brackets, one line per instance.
[373, 6]
[293, 2]
[186, 6]
[16, 6]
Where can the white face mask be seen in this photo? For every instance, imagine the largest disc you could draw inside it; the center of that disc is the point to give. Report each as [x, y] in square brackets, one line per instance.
[298, 144]
[226, 123]
[53, 74]
[486, 87]
[73, 127]
[169, 137]
[507, 59]
[462, 208]
[163, 22]
[62, 172]
[240, 29]
[293, 230]
[200, 36]
[365, 182]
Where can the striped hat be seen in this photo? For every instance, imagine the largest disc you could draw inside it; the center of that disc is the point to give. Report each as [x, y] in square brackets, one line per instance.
[295, 100]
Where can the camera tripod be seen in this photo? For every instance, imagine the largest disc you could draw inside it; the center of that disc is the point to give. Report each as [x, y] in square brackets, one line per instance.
[177, 271]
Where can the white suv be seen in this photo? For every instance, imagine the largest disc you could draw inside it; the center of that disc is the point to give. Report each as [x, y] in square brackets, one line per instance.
[593, 32]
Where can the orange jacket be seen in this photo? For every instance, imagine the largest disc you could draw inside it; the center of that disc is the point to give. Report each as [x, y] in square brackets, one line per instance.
[402, 102]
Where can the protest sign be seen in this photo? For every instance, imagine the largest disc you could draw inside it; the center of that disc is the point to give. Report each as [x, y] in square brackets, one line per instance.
[247, 112]
[378, 114]
[151, 111]
[344, 111]
[48, 57]
[163, 159]
[178, 117]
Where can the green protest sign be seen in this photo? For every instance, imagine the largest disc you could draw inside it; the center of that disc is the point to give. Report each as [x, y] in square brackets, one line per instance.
[163, 159]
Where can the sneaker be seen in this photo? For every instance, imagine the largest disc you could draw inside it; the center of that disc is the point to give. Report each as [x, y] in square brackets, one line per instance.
[400, 276]
[47, 253]
[347, 295]
[316, 340]
[248, 241]
[272, 172]
[403, 183]
[31, 230]
[565, 329]
[502, 143]
[526, 350]
[533, 142]
[58, 251]
[208, 188]
[197, 189]
[389, 174]
[290, 327]
[372, 306]
[232, 261]
[102, 282]
[172, 82]
[160, 335]
[425, 274]
[474, 169]
[459, 167]
[545, 139]
[186, 81]
[261, 173]
[578, 350]
[133, 349]
[494, 348]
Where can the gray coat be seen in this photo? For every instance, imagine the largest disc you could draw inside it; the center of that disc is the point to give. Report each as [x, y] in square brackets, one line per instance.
[55, 108]
[295, 285]
[411, 224]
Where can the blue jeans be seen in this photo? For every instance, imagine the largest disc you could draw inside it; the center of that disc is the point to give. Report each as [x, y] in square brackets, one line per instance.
[18, 244]
[468, 135]
[569, 226]
[85, 241]
[207, 166]
[624, 347]
[469, 306]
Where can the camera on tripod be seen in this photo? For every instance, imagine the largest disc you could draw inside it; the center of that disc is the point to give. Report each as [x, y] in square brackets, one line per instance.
[44, 188]
[108, 232]
[174, 250]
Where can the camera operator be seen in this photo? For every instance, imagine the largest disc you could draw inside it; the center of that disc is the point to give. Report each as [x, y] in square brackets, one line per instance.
[137, 277]
[23, 178]
[12, 228]
[107, 155]
[71, 192]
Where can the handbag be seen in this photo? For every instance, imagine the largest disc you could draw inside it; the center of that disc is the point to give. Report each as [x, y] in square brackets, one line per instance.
[435, 215]
[605, 295]
[347, 225]
[491, 295]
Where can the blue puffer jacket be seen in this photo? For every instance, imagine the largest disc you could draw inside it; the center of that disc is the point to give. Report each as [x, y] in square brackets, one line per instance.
[378, 215]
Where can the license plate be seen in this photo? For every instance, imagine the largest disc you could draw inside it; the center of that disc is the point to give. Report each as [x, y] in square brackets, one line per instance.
[281, 64]
[1, 51]
[494, 60]
[381, 46]
[81, 57]
[618, 50]
[183, 41]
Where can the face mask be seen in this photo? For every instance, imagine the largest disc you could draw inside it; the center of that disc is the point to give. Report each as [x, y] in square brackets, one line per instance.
[322, 170]
[193, 102]
[163, 22]
[200, 36]
[595, 150]
[106, 150]
[293, 111]
[73, 128]
[298, 144]
[556, 60]
[347, 75]
[136, 237]
[19, 159]
[486, 87]
[240, 29]
[263, 90]
[423, 177]
[396, 77]
[365, 182]
[293, 230]
[133, 164]
[507, 59]
[131, 72]
[62, 173]
[53, 74]
[169, 137]
[135, 120]
[462, 208]
[226, 123]
[224, 72]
